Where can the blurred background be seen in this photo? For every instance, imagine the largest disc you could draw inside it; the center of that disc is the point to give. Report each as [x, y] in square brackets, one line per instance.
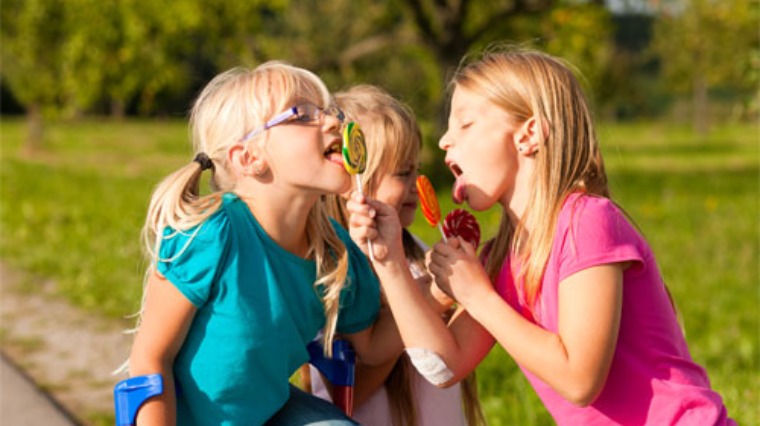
[95, 94]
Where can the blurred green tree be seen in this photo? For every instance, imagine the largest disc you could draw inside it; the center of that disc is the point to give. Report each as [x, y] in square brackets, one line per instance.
[448, 30]
[32, 53]
[93, 55]
[119, 51]
[411, 47]
[60, 59]
[704, 45]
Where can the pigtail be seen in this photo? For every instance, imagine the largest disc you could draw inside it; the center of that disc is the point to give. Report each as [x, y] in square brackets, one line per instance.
[331, 257]
[176, 203]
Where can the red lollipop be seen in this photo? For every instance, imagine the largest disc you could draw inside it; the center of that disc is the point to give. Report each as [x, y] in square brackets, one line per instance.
[461, 223]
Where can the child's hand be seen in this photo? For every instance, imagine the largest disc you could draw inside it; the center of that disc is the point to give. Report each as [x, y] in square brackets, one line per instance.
[457, 270]
[372, 220]
[436, 298]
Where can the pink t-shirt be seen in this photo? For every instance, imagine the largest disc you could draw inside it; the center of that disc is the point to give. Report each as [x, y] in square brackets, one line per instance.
[652, 379]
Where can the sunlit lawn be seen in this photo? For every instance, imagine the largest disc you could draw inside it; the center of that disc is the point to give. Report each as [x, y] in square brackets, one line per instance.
[74, 212]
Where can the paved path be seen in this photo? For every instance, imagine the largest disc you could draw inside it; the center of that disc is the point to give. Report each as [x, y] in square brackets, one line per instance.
[68, 352]
[23, 404]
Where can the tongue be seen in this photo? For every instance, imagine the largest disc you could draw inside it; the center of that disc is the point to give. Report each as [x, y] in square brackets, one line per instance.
[457, 190]
[335, 157]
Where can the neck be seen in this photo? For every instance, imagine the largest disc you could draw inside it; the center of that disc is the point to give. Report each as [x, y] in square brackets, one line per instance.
[283, 217]
[516, 202]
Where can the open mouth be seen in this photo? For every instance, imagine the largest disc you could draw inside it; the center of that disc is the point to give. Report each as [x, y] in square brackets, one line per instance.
[334, 148]
[458, 192]
[334, 152]
[455, 170]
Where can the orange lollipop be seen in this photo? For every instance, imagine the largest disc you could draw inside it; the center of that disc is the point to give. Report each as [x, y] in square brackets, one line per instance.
[429, 203]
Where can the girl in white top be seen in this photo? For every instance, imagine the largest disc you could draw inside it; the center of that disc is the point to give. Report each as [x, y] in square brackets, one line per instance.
[394, 394]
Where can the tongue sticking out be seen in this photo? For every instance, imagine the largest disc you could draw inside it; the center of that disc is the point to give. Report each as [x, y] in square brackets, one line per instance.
[458, 191]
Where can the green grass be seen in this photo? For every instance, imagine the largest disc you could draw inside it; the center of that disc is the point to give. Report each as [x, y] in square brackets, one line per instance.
[74, 212]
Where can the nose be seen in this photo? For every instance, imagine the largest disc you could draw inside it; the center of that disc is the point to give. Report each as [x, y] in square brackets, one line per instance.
[331, 123]
[445, 142]
[411, 181]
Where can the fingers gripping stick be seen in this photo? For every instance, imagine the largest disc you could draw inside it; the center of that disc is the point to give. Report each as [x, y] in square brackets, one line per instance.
[355, 160]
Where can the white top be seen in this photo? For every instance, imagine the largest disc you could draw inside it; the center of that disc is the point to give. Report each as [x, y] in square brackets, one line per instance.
[435, 406]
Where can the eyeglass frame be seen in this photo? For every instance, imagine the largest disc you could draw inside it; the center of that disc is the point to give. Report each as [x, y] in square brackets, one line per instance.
[293, 111]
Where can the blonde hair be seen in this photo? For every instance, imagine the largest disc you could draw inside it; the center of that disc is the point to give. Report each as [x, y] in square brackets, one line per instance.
[525, 84]
[393, 138]
[229, 107]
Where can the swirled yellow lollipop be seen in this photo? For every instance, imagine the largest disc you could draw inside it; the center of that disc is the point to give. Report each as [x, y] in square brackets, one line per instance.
[355, 159]
[354, 149]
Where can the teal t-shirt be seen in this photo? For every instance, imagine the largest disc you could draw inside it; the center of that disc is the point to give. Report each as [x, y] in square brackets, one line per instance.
[257, 310]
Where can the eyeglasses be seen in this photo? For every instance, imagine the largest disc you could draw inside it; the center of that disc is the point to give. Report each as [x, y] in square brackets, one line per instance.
[305, 113]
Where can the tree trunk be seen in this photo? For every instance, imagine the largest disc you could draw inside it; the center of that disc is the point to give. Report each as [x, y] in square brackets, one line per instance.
[700, 107]
[118, 110]
[35, 131]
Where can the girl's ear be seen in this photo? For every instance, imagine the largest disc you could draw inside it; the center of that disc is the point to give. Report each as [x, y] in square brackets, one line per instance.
[531, 135]
[247, 162]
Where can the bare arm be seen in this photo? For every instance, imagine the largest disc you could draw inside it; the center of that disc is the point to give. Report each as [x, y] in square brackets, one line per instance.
[574, 361]
[166, 319]
[464, 344]
[371, 378]
[378, 344]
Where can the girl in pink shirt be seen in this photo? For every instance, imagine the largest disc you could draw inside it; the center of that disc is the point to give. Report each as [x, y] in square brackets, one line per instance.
[569, 288]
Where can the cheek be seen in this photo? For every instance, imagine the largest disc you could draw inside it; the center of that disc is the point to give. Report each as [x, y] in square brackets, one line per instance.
[391, 198]
[493, 166]
[389, 192]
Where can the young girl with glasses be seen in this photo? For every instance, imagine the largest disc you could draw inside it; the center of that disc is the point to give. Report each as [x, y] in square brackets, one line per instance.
[242, 278]
[569, 287]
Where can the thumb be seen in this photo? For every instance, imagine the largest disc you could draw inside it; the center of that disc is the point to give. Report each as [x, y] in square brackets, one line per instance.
[466, 246]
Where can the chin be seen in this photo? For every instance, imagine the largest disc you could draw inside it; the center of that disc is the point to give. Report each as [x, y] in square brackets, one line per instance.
[345, 187]
[478, 205]
[406, 217]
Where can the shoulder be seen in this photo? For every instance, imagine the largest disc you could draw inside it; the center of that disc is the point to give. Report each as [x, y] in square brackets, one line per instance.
[421, 244]
[583, 214]
[579, 206]
[204, 237]
[193, 257]
[593, 230]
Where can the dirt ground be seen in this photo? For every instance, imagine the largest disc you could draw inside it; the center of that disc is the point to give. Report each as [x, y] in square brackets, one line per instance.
[69, 353]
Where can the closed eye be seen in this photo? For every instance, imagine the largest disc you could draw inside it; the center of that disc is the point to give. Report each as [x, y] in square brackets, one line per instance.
[306, 113]
[303, 118]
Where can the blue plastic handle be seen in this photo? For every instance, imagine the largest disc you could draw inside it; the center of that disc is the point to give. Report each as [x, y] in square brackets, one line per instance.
[339, 369]
[130, 394]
